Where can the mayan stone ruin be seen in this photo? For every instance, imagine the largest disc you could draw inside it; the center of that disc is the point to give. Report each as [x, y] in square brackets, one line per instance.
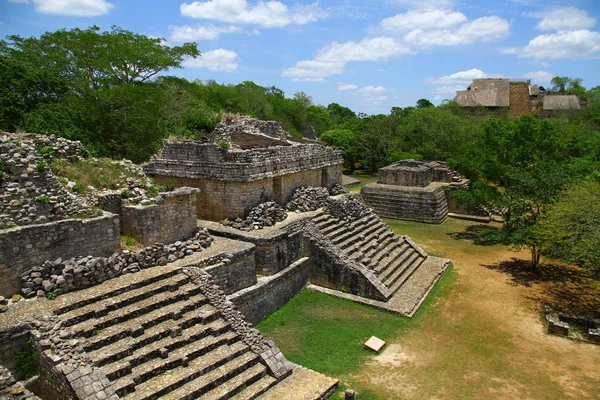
[245, 162]
[255, 216]
[414, 190]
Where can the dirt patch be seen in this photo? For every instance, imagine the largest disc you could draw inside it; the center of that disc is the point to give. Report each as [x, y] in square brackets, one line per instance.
[486, 338]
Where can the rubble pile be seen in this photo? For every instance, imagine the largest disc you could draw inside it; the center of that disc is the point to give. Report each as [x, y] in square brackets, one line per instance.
[265, 214]
[338, 189]
[307, 199]
[29, 192]
[62, 276]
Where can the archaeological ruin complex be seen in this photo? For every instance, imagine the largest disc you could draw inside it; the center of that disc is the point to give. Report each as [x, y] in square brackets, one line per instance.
[518, 96]
[255, 217]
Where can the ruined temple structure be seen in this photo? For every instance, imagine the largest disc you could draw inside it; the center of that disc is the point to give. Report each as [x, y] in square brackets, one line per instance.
[243, 163]
[518, 96]
[414, 190]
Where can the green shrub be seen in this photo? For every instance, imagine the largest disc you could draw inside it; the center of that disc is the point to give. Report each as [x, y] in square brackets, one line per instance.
[43, 199]
[79, 188]
[27, 360]
[125, 193]
[154, 190]
[41, 166]
[46, 152]
[170, 186]
[223, 144]
[51, 295]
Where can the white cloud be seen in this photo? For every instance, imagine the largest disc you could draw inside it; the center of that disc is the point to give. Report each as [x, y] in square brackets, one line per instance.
[188, 33]
[269, 14]
[461, 77]
[215, 60]
[485, 29]
[314, 71]
[331, 59]
[346, 86]
[540, 76]
[373, 94]
[579, 44]
[427, 4]
[426, 19]
[74, 8]
[368, 49]
[569, 18]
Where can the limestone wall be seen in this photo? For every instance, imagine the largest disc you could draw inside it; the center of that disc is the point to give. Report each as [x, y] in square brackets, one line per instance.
[219, 199]
[271, 293]
[172, 218]
[24, 247]
[234, 272]
[427, 204]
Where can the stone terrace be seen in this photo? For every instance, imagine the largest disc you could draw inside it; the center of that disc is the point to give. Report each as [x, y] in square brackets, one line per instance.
[167, 333]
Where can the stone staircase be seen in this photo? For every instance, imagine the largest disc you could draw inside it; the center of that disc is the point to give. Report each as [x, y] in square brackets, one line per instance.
[369, 240]
[155, 335]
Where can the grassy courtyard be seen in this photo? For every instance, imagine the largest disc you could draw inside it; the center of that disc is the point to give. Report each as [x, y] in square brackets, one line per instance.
[479, 334]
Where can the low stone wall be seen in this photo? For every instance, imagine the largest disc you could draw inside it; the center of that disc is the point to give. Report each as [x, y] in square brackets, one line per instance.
[426, 204]
[269, 294]
[234, 271]
[172, 218]
[24, 247]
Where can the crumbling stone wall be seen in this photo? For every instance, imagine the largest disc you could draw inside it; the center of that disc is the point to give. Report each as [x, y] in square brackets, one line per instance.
[24, 247]
[171, 219]
[234, 271]
[269, 294]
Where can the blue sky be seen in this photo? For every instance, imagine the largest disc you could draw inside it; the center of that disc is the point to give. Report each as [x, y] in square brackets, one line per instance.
[366, 55]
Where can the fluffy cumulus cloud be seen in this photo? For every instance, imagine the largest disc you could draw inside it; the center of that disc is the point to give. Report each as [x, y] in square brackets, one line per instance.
[346, 86]
[332, 59]
[215, 60]
[569, 18]
[581, 44]
[73, 8]
[268, 14]
[188, 33]
[485, 29]
[539, 76]
[460, 77]
[368, 49]
[451, 89]
[423, 19]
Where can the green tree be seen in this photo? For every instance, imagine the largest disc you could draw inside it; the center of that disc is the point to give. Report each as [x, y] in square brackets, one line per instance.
[345, 140]
[570, 230]
[424, 103]
[88, 58]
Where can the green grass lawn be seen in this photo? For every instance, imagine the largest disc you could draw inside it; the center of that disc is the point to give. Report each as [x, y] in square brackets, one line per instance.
[326, 333]
[364, 179]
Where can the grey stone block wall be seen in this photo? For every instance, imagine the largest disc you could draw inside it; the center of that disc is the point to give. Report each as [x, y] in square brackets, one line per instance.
[428, 204]
[269, 294]
[24, 247]
[235, 272]
[172, 218]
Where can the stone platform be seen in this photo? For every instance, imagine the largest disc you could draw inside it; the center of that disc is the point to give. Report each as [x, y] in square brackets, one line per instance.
[413, 203]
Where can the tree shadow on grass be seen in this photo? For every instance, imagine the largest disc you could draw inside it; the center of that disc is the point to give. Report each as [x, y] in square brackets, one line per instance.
[480, 235]
[565, 288]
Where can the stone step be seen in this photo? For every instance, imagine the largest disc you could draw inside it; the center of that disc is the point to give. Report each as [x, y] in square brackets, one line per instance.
[390, 274]
[126, 346]
[384, 248]
[321, 218]
[364, 220]
[137, 327]
[180, 373]
[397, 253]
[340, 229]
[113, 287]
[236, 384]
[88, 327]
[77, 315]
[374, 237]
[374, 254]
[256, 389]
[411, 266]
[201, 385]
[346, 240]
[331, 225]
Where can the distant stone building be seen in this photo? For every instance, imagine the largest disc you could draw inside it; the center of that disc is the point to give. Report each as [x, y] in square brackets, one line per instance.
[519, 96]
[414, 190]
[243, 163]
